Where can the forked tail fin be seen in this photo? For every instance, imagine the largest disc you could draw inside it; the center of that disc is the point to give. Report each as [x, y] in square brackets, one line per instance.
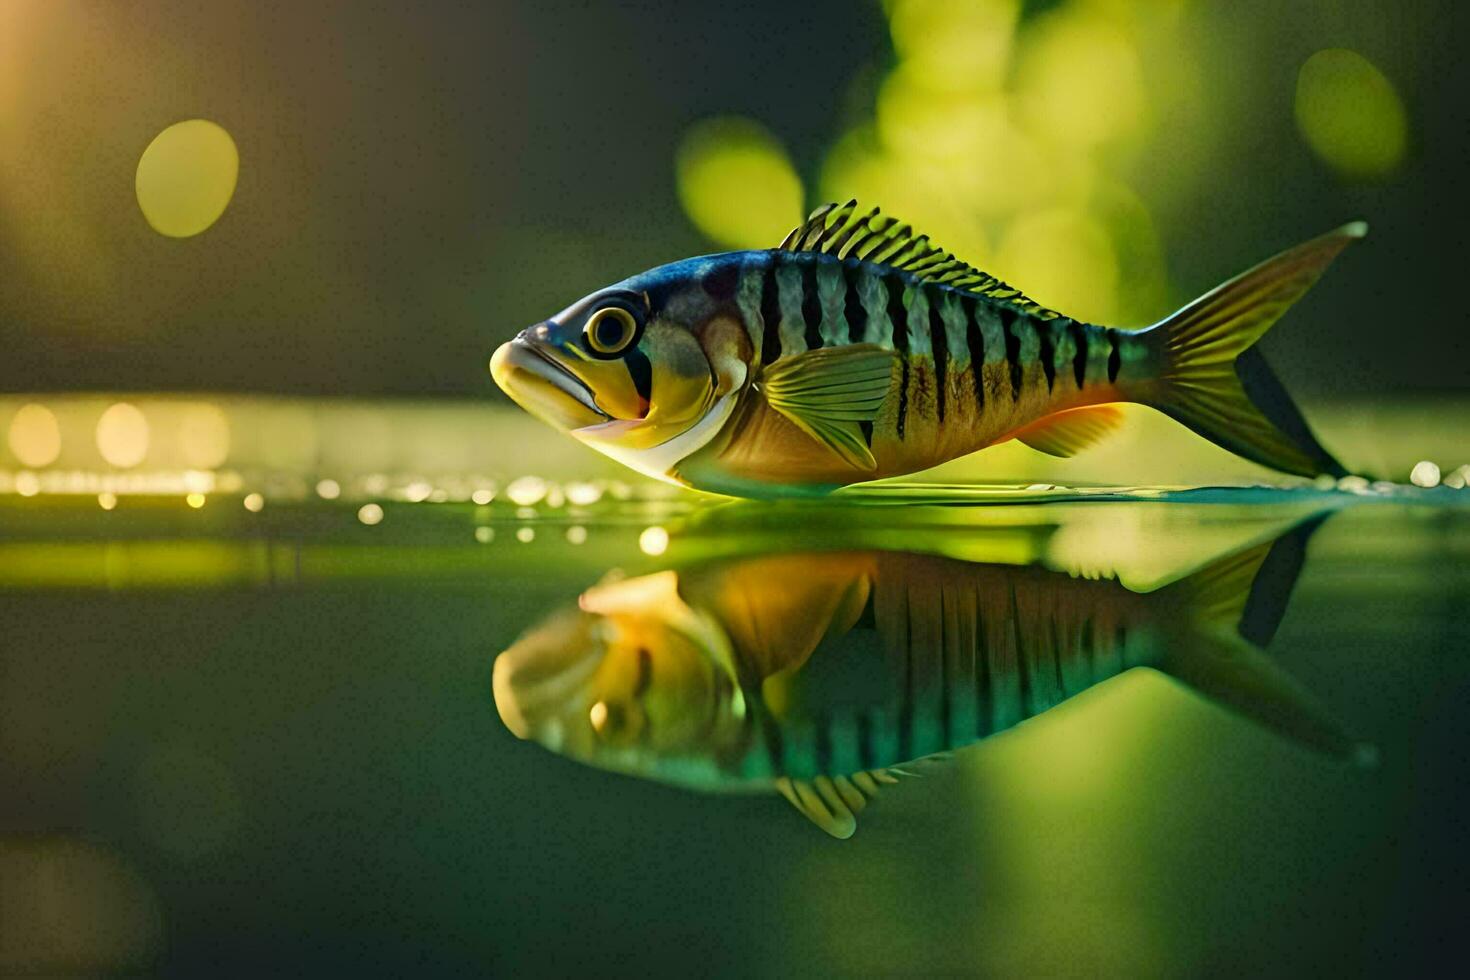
[1224, 614]
[1211, 377]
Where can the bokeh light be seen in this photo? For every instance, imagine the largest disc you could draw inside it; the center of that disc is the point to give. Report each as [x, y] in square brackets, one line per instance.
[1010, 140]
[1067, 261]
[35, 436]
[1350, 114]
[122, 435]
[653, 541]
[204, 435]
[186, 177]
[526, 491]
[370, 514]
[1079, 81]
[955, 46]
[737, 184]
[70, 907]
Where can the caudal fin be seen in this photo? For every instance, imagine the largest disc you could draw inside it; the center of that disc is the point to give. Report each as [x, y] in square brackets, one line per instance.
[1213, 379]
[1225, 614]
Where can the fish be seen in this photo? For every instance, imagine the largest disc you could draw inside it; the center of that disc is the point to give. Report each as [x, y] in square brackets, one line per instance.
[858, 350]
[827, 675]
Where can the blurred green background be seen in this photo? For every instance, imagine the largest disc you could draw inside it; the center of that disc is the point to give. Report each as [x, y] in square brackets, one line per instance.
[417, 183]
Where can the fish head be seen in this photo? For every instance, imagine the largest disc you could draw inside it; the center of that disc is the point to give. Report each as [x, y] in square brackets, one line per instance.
[630, 680]
[632, 368]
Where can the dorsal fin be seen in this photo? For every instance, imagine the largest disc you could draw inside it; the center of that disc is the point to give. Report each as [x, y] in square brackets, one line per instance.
[834, 803]
[869, 236]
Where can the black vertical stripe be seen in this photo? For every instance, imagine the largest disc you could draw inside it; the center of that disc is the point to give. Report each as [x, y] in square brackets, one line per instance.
[642, 373]
[946, 661]
[906, 704]
[975, 341]
[984, 683]
[770, 731]
[939, 344]
[866, 758]
[1013, 350]
[1079, 356]
[770, 314]
[720, 281]
[1023, 660]
[853, 309]
[811, 304]
[1048, 353]
[1115, 360]
[898, 322]
[823, 726]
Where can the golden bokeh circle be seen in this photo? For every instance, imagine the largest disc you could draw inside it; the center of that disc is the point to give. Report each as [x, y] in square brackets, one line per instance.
[122, 435]
[35, 436]
[186, 177]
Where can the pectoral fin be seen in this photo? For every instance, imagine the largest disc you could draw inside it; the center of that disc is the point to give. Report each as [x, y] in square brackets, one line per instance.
[828, 392]
[777, 608]
[1068, 433]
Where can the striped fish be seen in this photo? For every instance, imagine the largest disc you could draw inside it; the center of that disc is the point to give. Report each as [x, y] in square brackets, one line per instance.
[823, 675]
[857, 350]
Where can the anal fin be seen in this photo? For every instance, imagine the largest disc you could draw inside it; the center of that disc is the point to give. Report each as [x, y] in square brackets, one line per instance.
[1068, 433]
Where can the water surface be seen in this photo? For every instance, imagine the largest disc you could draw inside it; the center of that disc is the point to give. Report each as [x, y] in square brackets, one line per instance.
[232, 740]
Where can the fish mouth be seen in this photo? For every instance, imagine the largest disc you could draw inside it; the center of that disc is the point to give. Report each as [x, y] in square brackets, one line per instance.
[544, 386]
[540, 681]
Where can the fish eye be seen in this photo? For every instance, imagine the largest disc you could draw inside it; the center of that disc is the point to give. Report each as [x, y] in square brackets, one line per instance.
[608, 720]
[610, 330]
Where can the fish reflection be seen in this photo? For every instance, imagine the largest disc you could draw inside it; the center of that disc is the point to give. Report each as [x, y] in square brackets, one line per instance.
[827, 675]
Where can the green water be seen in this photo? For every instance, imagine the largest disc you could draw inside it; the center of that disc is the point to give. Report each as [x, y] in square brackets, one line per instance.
[231, 742]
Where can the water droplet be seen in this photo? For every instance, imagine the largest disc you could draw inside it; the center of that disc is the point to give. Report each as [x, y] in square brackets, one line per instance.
[1424, 474]
[526, 490]
[583, 494]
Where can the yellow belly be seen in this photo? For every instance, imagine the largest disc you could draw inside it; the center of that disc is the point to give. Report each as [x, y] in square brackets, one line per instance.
[760, 449]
